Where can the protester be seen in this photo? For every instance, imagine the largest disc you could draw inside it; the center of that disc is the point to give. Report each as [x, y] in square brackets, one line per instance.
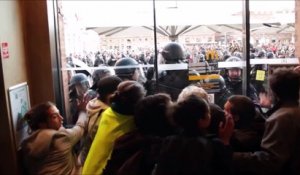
[49, 148]
[280, 146]
[105, 88]
[115, 121]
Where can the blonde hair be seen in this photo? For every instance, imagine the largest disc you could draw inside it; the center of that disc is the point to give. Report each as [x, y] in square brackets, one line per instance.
[192, 90]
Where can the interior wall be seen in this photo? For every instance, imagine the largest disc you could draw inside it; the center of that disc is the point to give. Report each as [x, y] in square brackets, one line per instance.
[24, 26]
[12, 71]
[38, 51]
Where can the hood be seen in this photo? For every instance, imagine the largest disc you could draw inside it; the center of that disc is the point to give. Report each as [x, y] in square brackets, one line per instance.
[38, 143]
[94, 106]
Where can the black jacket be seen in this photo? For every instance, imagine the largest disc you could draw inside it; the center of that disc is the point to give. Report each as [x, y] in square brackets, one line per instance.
[182, 155]
[133, 154]
[236, 88]
[172, 82]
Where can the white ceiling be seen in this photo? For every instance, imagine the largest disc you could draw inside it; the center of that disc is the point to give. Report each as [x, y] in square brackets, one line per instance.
[140, 13]
[129, 18]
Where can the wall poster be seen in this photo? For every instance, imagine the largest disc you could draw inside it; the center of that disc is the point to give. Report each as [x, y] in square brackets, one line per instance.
[19, 104]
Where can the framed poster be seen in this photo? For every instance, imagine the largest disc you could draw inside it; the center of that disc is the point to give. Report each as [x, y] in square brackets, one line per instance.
[19, 105]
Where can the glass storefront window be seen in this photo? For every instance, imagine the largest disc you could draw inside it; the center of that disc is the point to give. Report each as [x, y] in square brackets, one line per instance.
[207, 38]
[272, 38]
[96, 34]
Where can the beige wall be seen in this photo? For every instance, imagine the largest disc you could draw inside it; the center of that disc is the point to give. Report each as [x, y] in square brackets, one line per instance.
[24, 25]
[13, 72]
[36, 31]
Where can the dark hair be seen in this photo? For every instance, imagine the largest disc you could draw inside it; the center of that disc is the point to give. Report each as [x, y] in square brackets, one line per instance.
[188, 112]
[217, 115]
[127, 95]
[151, 115]
[107, 85]
[285, 84]
[38, 114]
[243, 107]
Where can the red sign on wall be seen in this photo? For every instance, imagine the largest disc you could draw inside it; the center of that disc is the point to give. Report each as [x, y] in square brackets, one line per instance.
[4, 50]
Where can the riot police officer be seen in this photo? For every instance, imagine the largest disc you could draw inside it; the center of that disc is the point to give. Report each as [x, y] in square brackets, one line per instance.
[172, 81]
[128, 69]
[215, 84]
[96, 76]
[233, 80]
[78, 86]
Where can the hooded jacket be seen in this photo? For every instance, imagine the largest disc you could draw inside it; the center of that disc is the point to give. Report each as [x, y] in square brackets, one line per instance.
[280, 145]
[94, 109]
[111, 126]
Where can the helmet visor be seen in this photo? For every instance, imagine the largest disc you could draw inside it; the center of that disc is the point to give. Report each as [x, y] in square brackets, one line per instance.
[81, 88]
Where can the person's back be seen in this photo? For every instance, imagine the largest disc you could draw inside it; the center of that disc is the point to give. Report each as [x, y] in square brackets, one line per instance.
[280, 146]
[173, 81]
[112, 125]
[51, 155]
[115, 121]
[105, 88]
[136, 152]
[48, 149]
[285, 125]
[182, 155]
[192, 151]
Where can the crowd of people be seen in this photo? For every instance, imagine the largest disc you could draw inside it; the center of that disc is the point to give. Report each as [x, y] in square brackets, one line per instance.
[209, 54]
[123, 126]
[193, 53]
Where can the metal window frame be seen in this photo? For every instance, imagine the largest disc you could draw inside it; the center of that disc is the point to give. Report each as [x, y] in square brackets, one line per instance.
[56, 58]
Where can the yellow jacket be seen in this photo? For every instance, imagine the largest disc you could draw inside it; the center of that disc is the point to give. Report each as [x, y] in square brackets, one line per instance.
[112, 125]
[211, 55]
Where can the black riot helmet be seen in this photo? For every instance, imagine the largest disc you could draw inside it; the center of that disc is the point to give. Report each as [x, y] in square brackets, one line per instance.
[125, 68]
[98, 74]
[172, 53]
[79, 84]
[270, 55]
[79, 79]
[261, 54]
[213, 83]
